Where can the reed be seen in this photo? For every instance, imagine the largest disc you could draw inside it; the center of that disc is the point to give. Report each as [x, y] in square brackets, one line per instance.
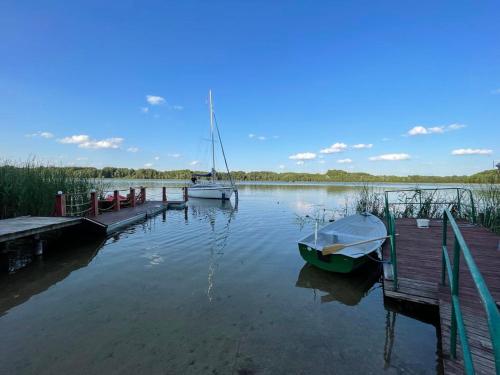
[431, 203]
[29, 188]
[487, 200]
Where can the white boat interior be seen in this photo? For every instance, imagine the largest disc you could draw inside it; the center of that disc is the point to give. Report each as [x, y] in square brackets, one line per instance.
[348, 230]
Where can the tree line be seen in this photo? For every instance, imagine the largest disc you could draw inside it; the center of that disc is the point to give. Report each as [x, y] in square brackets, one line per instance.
[333, 175]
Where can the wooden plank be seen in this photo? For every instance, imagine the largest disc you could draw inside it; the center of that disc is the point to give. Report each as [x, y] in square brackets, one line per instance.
[19, 227]
[419, 274]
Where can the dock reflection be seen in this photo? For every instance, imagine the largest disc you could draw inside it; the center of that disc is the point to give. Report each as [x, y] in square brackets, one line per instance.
[44, 272]
[347, 289]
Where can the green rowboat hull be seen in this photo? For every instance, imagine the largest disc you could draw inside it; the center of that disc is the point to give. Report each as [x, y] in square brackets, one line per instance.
[333, 263]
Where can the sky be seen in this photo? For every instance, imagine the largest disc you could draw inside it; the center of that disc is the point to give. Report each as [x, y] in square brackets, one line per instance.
[385, 87]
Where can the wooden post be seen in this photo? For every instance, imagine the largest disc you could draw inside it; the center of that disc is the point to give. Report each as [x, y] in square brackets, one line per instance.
[185, 193]
[143, 194]
[164, 194]
[94, 203]
[60, 204]
[132, 197]
[116, 200]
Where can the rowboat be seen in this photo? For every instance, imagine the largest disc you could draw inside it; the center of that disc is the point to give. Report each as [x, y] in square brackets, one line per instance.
[344, 245]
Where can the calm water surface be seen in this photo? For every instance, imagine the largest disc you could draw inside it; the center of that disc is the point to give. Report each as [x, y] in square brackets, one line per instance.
[222, 290]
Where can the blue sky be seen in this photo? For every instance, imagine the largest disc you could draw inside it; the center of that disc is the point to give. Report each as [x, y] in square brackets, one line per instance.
[382, 87]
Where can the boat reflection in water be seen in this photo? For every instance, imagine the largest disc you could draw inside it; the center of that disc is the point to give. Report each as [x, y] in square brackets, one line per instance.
[215, 212]
[348, 289]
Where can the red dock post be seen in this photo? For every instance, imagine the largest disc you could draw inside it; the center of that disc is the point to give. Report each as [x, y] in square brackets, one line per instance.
[116, 200]
[60, 204]
[164, 194]
[94, 203]
[132, 197]
[185, 193]
[143, 194]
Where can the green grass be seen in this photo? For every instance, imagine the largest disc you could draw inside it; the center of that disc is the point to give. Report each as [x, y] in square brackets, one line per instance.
[30, 188]
[431, 203]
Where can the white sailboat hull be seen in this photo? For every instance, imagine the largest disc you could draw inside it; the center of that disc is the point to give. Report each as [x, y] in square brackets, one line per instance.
[210, 191]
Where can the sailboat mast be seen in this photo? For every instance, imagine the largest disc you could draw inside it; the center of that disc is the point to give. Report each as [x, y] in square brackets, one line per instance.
[212, 133]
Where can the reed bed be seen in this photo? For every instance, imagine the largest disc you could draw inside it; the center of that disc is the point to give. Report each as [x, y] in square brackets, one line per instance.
[431, 203]
[30, 188]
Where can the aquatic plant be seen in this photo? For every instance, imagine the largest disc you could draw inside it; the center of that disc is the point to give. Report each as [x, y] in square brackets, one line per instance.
[430, 203]
[30, 188]
[487, 200]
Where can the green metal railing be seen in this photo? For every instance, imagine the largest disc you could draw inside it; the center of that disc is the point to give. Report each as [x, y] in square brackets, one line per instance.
[423, 199]
[391, 228]
[457, 322]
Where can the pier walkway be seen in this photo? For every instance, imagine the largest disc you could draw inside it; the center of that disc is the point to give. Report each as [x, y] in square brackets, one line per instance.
[111, 221]
[24, 226]
[419, 281]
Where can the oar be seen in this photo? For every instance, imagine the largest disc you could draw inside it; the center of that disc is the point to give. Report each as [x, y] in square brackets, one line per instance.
[340, 246]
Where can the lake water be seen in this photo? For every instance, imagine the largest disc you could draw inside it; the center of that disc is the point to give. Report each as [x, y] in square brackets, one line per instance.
[222, 290]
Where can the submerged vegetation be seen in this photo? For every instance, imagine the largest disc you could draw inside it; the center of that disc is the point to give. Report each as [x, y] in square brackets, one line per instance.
[30, 189]
[334, 175]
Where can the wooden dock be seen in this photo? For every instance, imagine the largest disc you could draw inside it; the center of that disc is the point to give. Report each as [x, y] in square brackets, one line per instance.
[112, 221]
[419, 263]
[25, 226]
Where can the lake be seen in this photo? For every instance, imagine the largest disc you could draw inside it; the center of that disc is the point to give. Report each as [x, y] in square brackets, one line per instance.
[221, 290]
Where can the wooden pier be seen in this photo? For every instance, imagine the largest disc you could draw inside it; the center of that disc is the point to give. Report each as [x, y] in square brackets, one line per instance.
[25, 226]
[98, 215]
[419, 272]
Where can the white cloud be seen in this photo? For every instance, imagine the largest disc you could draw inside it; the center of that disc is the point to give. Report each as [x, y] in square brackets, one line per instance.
[363, 145]
[344, 161]
[281, 166]
[385, 139]
[82, 158]
[75, 139]
[456, 126]
[390, 157]
[177, 107]
[194, 162]
[261, 137]
[155, 100]
[175, 156]
[102, 144]
[144, 109]
[495, 91]
[336, 147]
[300, 162]
[84, 141]
[422, 130]
[472, 151]
[132, 149]
[41, 134]
[157, 158]
[148, 165]
[303, 156]
[321, 161]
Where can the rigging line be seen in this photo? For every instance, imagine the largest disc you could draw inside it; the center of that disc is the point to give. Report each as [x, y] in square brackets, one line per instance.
[222, 148]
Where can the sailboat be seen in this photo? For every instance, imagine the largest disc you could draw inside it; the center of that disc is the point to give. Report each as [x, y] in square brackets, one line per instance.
[212, 189]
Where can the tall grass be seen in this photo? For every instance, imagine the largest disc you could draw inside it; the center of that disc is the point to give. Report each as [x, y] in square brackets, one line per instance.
[30, 188]
[488, 206]
[431, 203]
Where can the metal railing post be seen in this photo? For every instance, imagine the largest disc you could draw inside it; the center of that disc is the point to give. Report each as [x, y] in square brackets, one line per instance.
[454, 293]
[444, 248]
